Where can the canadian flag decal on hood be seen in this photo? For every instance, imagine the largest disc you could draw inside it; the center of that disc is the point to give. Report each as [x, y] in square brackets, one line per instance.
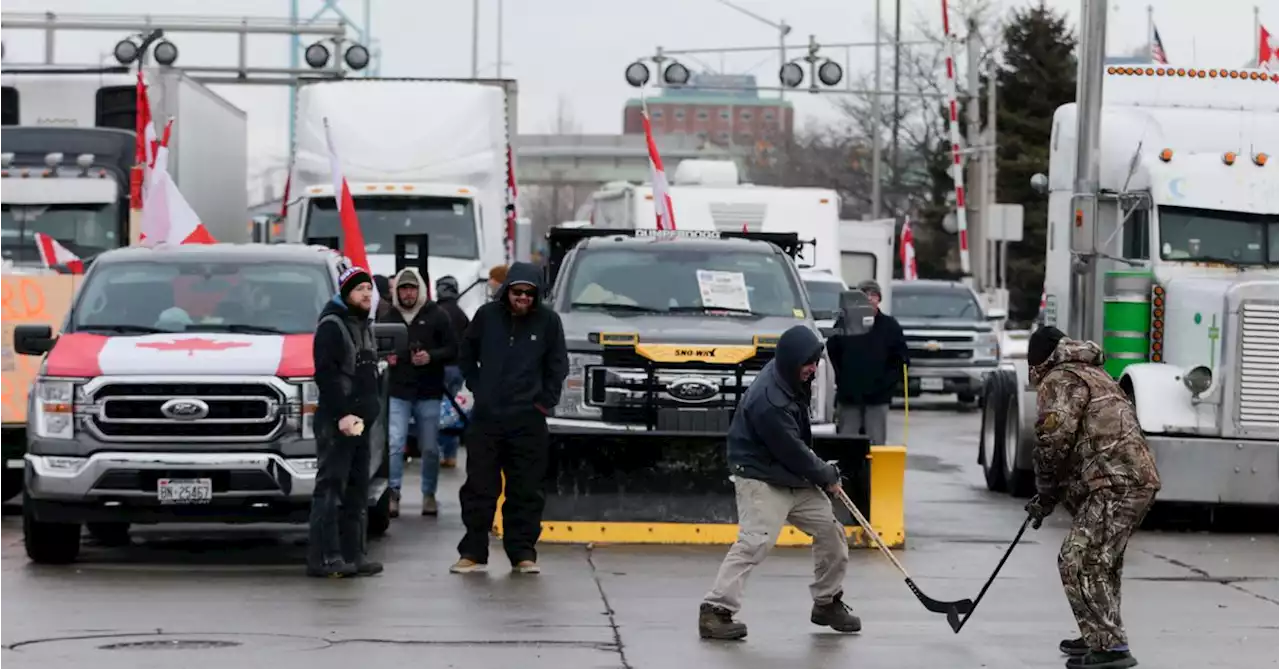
[204, 353]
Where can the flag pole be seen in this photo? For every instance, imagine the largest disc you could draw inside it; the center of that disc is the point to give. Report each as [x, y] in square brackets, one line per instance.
[1257, 35]
[1151, 32]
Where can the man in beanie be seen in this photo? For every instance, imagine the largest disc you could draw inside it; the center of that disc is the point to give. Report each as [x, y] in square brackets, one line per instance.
[346, 373]
[418, 383]
[777, 477]
[868, 368]
[447, 297]
[1091, 456]
[515, 361]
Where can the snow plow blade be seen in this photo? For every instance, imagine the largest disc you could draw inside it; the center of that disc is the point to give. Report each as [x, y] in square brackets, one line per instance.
[673, 487]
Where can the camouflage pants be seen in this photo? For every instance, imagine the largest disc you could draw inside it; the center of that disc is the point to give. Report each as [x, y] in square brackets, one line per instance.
[1092, 559]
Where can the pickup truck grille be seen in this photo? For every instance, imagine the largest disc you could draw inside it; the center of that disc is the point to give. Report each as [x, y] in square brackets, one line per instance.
[1258, 389]
[940, 347]
[235, 411]
[631, 395]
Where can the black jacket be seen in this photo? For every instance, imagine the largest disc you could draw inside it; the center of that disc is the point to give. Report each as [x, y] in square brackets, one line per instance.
[868, 366]
[429, 329]
[348, 382]
[457, 317]
[770, 439]
[515, 365]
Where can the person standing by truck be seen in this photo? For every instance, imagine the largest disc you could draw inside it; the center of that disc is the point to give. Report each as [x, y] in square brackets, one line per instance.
[868, 367]
[1092, 457]
[346, 373]
[515, 362]
[418, 383]
[447, 297]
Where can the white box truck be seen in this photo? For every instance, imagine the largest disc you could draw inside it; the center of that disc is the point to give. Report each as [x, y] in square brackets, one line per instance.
[421, 156]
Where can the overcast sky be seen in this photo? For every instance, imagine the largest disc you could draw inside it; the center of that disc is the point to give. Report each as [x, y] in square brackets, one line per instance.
[576, 50]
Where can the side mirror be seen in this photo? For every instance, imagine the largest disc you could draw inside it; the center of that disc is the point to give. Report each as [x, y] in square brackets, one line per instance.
[828, 333]
[390, 337]
[33, 339]
[997, 314]
[858, 314]
[825, 315]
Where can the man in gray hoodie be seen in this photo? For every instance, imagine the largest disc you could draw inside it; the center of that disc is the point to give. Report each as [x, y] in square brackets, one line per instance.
[779, 479]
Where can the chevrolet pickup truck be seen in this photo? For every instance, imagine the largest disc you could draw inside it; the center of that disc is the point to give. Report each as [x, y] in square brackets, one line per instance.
[952, 341]
[180, 390]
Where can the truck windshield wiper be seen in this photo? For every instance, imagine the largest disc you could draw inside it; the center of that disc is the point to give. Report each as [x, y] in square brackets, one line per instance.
[691, 308]
[236, 327]
[637, 308]
[125, 329]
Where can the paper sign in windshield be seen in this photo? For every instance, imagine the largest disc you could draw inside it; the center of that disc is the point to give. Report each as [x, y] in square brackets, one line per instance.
[723, 290]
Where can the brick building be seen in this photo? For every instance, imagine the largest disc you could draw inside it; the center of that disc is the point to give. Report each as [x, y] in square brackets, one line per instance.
[726, 110]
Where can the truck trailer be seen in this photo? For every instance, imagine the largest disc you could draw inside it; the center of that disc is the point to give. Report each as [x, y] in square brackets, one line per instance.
[421, 156]
[1172, 268]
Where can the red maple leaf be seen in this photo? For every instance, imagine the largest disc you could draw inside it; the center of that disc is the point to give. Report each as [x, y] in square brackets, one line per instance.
[193, 345]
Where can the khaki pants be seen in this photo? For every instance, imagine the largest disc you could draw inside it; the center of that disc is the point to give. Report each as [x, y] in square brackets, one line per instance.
[763, 509]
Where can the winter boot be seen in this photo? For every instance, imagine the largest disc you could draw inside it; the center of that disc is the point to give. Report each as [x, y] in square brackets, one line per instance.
[467, 566]
[332, 569]
[715, 622]
[368, 568]
[1074, 647]
[835, 615]
[429, 505]
[1103, 659]
[395, 503]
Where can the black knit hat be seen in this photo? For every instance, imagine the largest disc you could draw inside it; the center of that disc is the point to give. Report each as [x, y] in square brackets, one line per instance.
[351, 278]
[1042, 343]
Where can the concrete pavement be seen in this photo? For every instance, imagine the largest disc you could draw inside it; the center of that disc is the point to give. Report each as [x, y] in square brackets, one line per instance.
[236, 597]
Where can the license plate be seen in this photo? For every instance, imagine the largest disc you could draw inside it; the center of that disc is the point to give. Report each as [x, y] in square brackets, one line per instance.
[184, 491]
[931, 384]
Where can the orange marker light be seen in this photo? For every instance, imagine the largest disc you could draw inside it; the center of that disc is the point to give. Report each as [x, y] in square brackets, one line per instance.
[1166, 155]
[1229, 158]
[1260, 159]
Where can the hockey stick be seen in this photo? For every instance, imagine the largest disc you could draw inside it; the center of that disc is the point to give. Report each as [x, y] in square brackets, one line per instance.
[952, 609]
[954, 620]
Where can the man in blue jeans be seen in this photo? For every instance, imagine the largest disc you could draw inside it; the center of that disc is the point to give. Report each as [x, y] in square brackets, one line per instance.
[418, 383]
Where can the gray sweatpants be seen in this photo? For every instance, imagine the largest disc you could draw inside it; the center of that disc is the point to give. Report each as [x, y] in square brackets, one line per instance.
[869, 419]
[762, 511]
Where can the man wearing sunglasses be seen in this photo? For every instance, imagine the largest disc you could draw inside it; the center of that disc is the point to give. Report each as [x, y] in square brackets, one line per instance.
[515, 362]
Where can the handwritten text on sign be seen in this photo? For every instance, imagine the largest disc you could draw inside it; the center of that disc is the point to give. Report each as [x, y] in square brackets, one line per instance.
[27, 300]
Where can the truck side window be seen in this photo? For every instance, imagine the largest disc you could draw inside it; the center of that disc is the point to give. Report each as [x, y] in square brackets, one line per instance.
[1137, 236]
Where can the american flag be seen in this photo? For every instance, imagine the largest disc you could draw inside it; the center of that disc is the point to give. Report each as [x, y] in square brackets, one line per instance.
[1157, 47]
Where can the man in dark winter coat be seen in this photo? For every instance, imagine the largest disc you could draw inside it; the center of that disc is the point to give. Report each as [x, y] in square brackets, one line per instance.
[447, 295]
[418, 383]
[779, 479]
[868, 367]
[515, 363]
[346, 373]
[1090, 455]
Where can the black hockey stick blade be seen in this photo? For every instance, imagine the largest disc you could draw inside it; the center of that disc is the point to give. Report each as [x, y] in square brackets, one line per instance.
[952, 609]
[957, 622]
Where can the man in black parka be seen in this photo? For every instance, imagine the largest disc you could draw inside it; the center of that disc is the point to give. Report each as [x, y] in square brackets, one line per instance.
[515, 362]
[346, 374]
[868, 367]
[779, 479]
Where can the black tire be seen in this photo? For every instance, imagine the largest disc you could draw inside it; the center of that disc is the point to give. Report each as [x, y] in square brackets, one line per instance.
[110, 534]
[49, 543]
[380, 516]
[990, 444]
[966, 398]
[1018, 481]
[11, 483]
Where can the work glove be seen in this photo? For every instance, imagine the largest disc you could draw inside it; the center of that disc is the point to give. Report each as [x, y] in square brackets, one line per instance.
[839, 477]
[1039, 508]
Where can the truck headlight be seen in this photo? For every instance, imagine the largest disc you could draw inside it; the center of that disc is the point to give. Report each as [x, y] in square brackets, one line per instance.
[819, 401]
[302, 408]
[1198, 380]
[53, 407]
[573, 398]
[987, 346]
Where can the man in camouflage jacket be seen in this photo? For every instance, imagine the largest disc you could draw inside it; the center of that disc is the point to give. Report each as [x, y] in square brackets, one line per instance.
[1092, 457]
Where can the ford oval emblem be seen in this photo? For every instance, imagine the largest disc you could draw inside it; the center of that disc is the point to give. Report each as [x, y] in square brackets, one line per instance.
[185, 408]
[692, 389]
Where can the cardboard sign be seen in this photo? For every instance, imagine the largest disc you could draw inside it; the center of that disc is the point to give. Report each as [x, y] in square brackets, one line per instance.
[27, 300]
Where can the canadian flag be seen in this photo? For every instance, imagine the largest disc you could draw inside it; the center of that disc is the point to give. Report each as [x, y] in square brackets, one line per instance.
[167, 218]
[661, 197]
[1267, 51]
[147, 145]
[352, 237]
[52, 253]
[907, 251]
[512, 194]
